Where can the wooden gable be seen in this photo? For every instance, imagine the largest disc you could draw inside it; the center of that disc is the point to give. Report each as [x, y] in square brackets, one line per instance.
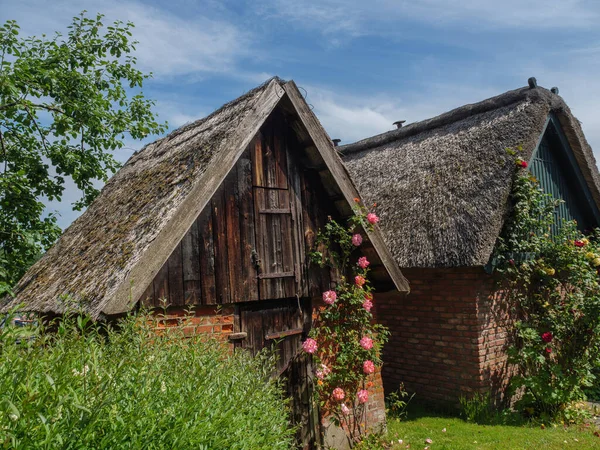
[251, 240]
[555, 166]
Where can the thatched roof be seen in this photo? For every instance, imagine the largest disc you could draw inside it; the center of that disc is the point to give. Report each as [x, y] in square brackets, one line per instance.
[442, 184]
[105, 259]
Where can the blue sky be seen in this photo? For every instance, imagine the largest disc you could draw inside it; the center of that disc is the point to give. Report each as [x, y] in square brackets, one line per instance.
[363, 64]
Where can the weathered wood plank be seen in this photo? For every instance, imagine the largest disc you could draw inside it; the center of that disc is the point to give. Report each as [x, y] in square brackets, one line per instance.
[267, 276]
[219, 218]
[279, 160]
[311, 227]
[190, 250]
[245, 200]
[161, 286]
[234, 245]
[297, 222]
[288, 260]
[257, 160]
[175, 264]
[207, 257]
[276, 211]
[147, 298]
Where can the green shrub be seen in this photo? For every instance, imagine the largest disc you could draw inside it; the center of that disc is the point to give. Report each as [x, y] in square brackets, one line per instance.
[477, 408]
[83, 386]
[552, 285]
[396, 403]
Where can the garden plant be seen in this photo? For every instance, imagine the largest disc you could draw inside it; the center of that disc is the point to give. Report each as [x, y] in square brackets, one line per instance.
[345, 341]
[135, 385]
[552, 286]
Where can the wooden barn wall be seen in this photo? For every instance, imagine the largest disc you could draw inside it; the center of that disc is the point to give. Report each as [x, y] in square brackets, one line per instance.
[251, 240]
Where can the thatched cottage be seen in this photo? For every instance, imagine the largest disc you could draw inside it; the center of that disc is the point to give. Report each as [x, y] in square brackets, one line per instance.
[218, 215]
[442, 186]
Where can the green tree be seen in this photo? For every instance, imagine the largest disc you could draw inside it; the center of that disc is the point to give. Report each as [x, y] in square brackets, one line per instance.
[66, 104]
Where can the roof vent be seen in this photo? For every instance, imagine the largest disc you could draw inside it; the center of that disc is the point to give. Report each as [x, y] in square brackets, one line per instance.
[532, 82]
[336, 142]
[554, 90]
[399, 123]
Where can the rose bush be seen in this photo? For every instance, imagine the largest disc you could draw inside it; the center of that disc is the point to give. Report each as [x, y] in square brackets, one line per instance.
[347, 343]
[552, 287]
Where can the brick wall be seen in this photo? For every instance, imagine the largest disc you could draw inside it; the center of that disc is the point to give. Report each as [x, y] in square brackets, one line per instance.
[447, 336]
[494, 320]
[376, 404]
[210, 320]
[336, 437]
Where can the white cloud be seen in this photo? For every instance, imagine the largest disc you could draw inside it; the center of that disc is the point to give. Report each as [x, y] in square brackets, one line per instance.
[357, 17]
[168, 44]
[352, 117]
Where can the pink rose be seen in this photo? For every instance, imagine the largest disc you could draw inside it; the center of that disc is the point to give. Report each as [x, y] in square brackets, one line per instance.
[329, 297]
[362, 395]
[309, 345]
[338, 394]
[367, 304]
[372, 218]
[359, 280]
[356, 240]
[345, 409]
[365, 342]
[368, 367]
[363, 262]
[323, 371]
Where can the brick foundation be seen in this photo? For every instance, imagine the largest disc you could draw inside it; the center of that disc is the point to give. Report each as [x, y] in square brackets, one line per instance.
[216, 322]
[448, 336]
[335, 437]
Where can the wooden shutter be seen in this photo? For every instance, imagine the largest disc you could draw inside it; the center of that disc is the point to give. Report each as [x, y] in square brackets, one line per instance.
[276, 238]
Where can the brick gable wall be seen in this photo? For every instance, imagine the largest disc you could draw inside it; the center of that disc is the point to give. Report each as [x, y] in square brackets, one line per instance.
[448, 335]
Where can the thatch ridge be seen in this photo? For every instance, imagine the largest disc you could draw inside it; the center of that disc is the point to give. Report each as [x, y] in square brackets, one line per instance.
[443, 184]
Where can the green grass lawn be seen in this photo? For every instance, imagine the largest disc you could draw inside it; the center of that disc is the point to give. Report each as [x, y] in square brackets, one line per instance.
[421, 425]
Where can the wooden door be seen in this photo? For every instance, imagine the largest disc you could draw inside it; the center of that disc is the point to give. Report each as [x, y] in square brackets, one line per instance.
[282, 325]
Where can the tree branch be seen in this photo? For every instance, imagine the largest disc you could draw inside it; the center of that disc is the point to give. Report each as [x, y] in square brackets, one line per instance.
[37, 128]
[35, 105]
[4, 155]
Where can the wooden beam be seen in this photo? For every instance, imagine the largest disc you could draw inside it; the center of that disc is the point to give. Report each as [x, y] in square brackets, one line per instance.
[266, 276]
[237, 336]
[283, 334]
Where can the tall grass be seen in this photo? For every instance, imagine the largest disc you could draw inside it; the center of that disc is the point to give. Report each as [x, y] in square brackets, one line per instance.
[87, 387]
